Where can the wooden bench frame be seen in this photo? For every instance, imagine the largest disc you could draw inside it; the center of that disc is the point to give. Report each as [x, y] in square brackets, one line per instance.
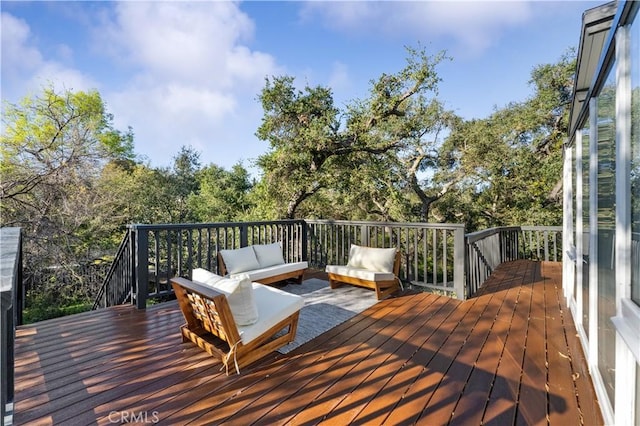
[383, 288]
[297, 275]
[210, 325]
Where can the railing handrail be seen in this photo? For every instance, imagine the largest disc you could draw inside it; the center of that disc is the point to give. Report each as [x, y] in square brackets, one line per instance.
[479, 235]
[428, 225]
[196, 225]
[540, 228]
[114, 266]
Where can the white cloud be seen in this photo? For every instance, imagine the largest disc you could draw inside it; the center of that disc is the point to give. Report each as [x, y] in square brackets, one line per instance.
[474, 25]
[194, 76]
[17, 53]
[26, 71]
[198, 42]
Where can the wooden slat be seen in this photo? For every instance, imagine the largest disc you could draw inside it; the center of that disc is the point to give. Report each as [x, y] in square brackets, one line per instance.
[508, 356]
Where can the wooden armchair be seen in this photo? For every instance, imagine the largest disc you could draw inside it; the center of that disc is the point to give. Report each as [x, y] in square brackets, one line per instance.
[364, 270]
[211, 326]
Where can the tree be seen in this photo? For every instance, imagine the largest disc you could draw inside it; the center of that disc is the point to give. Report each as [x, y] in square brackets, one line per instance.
[508, 167]
[223, 195]
[53, 148]
[182, 183]
[314, 145]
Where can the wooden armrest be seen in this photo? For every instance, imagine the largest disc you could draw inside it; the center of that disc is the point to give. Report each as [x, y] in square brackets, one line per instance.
[217, 319]
[202, 290]
[222, 268]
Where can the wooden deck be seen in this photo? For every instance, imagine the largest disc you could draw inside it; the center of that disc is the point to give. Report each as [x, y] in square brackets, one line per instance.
[508, 356]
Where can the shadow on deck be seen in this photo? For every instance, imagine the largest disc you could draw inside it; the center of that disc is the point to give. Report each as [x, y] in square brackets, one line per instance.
[508, 356]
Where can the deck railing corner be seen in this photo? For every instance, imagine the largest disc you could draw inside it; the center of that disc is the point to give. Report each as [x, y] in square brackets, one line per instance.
[10, 314]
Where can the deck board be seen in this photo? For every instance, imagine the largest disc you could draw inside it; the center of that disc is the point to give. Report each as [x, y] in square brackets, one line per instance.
[510, 355]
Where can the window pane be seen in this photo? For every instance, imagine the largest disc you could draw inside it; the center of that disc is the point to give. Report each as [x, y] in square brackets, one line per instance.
[635, 161]
[585, 229]
[606, 232]
[574, 208]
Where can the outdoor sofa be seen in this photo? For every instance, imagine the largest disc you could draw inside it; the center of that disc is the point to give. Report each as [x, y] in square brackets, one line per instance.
[264, 263]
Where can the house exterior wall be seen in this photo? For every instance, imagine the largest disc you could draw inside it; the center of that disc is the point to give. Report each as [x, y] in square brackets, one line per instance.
[602, 214]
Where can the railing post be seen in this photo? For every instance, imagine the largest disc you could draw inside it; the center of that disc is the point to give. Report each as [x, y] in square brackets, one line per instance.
[244, 239]
[141, 279]
[364, 235]
[459, 263]
[546, 245]
[305, 240]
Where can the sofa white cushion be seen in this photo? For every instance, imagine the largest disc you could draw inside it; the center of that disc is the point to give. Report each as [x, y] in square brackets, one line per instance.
[240, 260]
[242, 302]
[363, 274]
[268, 254]
[270, 271]
[372, 259]
[274, 305]
[205, 277]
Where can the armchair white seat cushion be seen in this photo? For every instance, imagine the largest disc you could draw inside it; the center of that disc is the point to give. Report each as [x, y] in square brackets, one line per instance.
[203, 276]
[274, 305]
[270, 271]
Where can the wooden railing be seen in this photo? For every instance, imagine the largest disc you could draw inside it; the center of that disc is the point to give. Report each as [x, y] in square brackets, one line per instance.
[152, 254]
[118, 284]
[486, 250]
[432, 254]
[10, 314]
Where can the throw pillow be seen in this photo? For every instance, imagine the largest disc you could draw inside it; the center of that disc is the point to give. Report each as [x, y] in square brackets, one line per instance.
[240, 260]
[268, 254]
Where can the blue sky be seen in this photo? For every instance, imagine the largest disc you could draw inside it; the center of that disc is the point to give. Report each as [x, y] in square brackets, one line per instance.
[189, 73]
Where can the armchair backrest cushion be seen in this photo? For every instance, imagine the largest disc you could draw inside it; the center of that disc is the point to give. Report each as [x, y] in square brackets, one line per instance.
[205, 277]
[238, 291]
[372, 259]
[268, 254]
[240, 260]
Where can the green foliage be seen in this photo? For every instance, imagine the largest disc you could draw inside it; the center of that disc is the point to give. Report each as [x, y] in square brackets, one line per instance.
[53, 147]
[509, 165]
[223, 195]
[72, 181]
[315, 147]
[42, 311]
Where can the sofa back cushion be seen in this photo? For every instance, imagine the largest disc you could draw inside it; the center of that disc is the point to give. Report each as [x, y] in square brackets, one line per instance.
[240, 260]
[239, 293]
[205, 277]
[268, 254]
[372, 259]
